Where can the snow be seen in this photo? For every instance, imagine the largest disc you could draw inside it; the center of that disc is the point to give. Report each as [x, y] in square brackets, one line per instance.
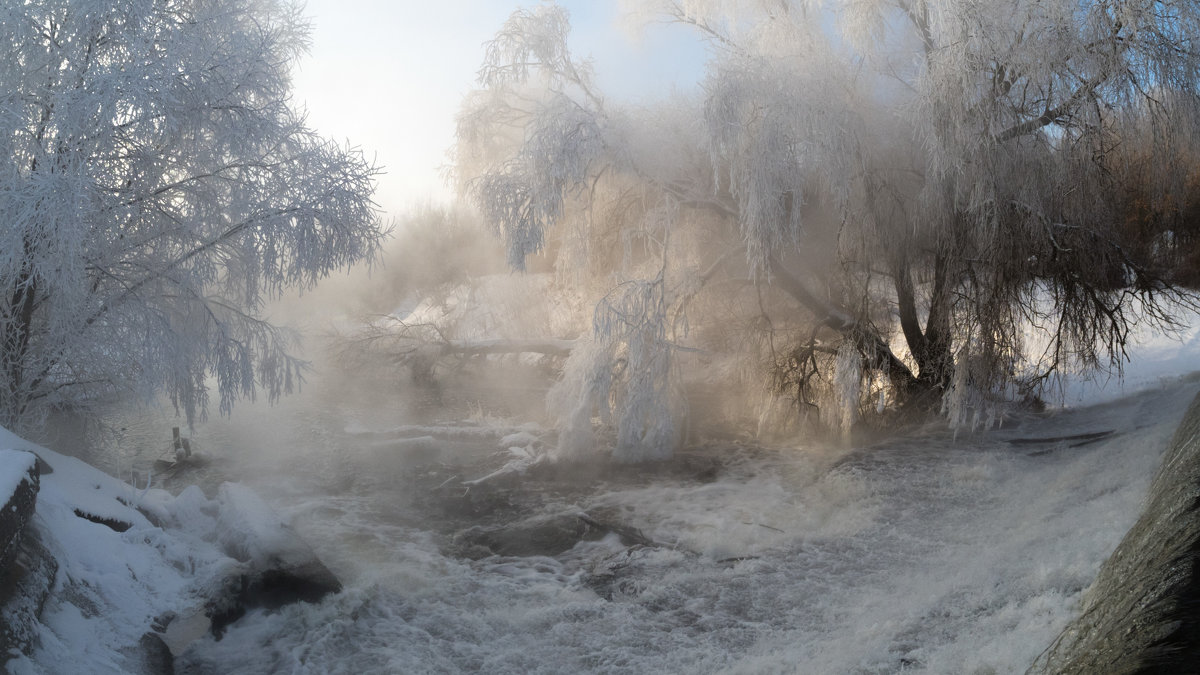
[15, 466]
[524, 452]
[249, 530]
[112, 585]
[12, 441]
[1156, 359]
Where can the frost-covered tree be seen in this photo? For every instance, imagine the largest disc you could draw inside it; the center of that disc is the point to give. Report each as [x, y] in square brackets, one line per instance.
[932, 185]
[964, 148]
[161, 185]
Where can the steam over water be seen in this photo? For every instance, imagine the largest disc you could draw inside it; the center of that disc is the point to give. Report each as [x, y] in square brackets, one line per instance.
[926, 554]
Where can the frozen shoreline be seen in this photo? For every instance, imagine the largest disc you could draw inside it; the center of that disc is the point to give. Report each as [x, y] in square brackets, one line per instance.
[126, 569]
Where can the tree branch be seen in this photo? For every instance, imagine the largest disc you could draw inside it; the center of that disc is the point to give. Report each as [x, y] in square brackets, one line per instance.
[867, 339]
[1050, 115]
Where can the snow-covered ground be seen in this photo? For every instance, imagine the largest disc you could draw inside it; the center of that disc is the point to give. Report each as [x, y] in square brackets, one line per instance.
[1155, 359]
[930, 553]
[121, 575]
[118, 581]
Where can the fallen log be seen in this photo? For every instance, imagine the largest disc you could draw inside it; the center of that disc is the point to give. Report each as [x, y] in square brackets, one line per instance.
[445, 433]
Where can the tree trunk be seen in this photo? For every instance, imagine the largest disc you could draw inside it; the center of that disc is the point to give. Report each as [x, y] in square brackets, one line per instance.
[874, 348]
[15, 346]
[930, 347]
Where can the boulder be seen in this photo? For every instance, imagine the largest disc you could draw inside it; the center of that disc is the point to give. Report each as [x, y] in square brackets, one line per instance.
[275, 566]
[150, 656]
[282, 567]
[25, 585]
[18, 491]
[27, 570]
[542, 535]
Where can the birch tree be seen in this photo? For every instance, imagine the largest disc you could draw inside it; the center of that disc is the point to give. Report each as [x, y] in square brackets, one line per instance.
[161, 185]
[926, 182]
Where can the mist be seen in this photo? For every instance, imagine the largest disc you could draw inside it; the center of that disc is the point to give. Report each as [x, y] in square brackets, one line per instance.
[652, 337]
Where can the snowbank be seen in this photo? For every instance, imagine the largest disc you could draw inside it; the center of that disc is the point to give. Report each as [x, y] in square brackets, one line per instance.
[1155, 359]
[122, 565]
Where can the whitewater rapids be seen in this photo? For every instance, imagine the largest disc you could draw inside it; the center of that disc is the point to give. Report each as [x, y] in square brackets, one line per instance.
[927, 554]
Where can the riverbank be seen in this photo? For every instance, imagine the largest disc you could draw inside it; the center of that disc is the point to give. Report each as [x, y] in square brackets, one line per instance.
[107, 578]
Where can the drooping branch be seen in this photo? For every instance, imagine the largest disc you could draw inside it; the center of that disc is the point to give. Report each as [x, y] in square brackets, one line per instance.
[1051, 115]
[918, 13]
[877, 352]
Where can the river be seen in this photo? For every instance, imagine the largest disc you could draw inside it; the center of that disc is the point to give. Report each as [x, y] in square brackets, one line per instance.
[931, 553]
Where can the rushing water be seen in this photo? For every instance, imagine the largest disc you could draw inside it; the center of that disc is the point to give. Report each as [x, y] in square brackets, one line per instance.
[924, 554]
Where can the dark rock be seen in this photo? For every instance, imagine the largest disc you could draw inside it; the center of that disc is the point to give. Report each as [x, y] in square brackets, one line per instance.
[43, 467]
[276, 587]
[111, 523]
[277, 566]
[24, 587]
[536, 536]
[17, 511]
[149, 657]
[27, 570]
[160, 622]
[270, 587]
[542, 535]
[226, 614]
[620, 575]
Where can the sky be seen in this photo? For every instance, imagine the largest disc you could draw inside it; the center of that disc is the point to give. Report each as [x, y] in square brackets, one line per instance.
[387, 76]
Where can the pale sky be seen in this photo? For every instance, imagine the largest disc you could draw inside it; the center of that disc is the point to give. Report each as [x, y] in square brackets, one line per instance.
[388, 75]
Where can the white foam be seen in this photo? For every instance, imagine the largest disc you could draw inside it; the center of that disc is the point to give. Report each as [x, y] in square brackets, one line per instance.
[929, 554]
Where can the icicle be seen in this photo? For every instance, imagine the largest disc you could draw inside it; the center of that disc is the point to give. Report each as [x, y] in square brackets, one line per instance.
[847, 384]
[955, 403]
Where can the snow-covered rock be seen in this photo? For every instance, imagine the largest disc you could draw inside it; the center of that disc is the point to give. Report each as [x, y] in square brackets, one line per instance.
[18, 492]
[281, 566]
[24, 578]
[117, 580]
